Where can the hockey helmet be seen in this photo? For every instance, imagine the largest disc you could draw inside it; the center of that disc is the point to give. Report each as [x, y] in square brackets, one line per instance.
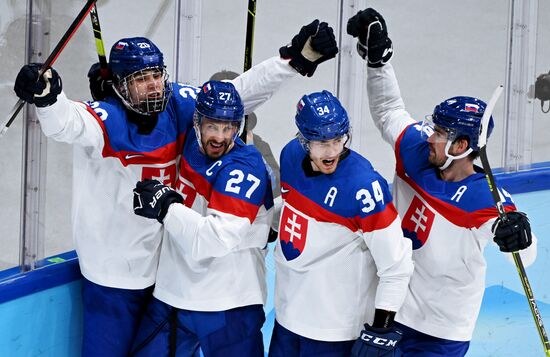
[218, 101]
[461, 117]
[129, 60]
[320, 116]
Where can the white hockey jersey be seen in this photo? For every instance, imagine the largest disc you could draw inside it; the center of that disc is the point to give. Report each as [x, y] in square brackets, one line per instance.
[341, 252]
[115, 247]
[212, 255]
[449, 223]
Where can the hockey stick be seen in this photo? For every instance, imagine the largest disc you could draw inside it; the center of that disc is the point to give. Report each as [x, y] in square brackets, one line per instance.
[248, 49]
[103, 67]
[50, 60]
[249, 44]
[502, 214]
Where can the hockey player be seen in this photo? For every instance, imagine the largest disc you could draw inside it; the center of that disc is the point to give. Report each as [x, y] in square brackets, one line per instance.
[210, 286]
[135, 134]
[254, 139]
[341, 260]
[444, 202]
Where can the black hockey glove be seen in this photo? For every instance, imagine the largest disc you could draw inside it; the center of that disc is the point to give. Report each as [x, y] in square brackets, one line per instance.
[373, 43]
[314, 44]
[100, 87]
[41, 92]
[514, 233]
[377, 342]
[152, 199]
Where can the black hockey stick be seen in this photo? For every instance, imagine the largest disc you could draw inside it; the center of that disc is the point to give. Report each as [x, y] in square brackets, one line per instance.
[51, 59]
[103, 67]
[248, 49]
[502, 214]
[249, 44]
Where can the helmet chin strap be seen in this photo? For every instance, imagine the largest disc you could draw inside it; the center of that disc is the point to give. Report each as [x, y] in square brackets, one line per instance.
[198, 136]
[450, 157]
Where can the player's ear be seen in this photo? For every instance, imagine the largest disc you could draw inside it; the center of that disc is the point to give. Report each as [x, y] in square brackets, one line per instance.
[461, 145]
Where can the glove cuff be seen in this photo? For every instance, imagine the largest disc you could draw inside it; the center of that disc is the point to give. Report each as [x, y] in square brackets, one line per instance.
[298, 61]
[51, 91]
[361, 49]
[174, 198]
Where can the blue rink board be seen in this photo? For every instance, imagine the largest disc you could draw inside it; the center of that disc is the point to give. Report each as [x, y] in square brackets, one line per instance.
[47, 321]
[505, 326]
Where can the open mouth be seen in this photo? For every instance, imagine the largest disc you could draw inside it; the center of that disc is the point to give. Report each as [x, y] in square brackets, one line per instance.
[216, 146]
[329, 164]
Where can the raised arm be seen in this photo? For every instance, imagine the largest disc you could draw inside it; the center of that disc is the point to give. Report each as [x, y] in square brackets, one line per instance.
[385, 102]
[60, 118]
[314, 44]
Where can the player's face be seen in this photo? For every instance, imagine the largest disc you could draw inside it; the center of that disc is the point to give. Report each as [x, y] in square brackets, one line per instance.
[438, 141]
[217, 136]
[325, 155]
[146, 85]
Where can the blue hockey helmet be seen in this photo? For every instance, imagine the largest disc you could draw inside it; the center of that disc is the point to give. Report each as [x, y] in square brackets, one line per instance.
[461, 117]
[320, 116]
[129, 55]
[138, 58]
[219, 101]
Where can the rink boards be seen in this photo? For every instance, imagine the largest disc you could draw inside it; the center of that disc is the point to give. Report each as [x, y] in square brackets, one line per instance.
[40, 311]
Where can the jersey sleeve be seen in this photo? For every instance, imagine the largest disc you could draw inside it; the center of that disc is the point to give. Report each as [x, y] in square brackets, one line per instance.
[238, 216]
[386, 105]
[392, 253]
[71, 122]
[260, 82]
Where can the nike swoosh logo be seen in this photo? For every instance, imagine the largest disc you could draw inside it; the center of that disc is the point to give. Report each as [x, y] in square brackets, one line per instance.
[131, 156]
[284, 190]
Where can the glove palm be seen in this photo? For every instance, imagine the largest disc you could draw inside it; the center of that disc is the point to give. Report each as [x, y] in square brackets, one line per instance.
[314, 44]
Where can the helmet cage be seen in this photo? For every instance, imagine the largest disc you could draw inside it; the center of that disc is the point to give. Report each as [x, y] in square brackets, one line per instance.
[143, 103]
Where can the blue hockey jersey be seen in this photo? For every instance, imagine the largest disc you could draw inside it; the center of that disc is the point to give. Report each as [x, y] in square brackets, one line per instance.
[212, 256]
[341, 252]
[449, 223]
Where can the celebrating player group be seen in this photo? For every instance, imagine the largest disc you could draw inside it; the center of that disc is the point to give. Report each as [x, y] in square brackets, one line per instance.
[172, 210]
